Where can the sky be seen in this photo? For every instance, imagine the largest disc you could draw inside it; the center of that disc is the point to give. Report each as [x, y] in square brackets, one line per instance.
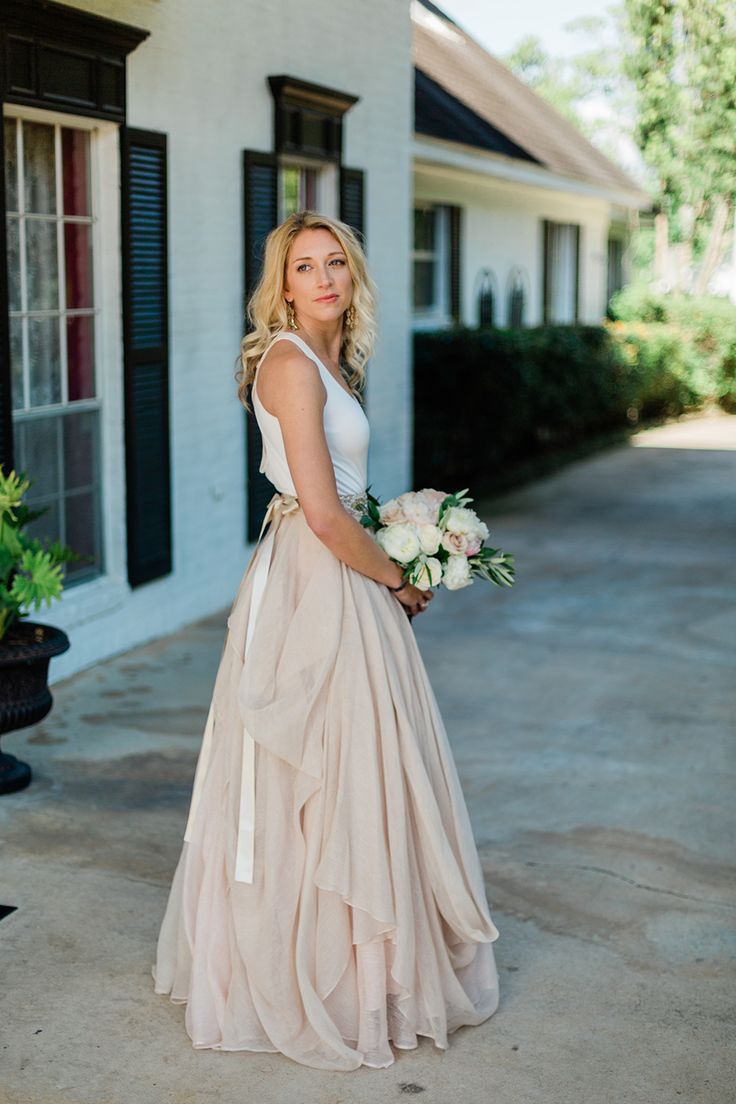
[499, 26]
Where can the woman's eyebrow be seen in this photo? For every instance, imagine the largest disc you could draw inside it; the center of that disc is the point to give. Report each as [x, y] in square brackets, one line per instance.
[332, 254]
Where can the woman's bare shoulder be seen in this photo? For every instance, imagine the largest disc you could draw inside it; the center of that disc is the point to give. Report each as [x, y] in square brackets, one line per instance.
[288, 370]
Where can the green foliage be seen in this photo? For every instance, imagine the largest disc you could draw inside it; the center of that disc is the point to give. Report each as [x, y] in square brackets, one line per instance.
[30, 573]
[700, 332]
[509, 396]
[681, 59]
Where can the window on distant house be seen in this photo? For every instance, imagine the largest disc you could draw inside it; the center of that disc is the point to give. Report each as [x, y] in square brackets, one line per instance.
[430, 260]
[560, 271]
[52, 316]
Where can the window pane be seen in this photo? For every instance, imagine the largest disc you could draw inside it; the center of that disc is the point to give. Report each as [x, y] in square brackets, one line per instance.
[423, 284]
[38, 455]
[290, 190]
[16, 361]
[75, 171]
[424, 227]
[80, 356]
[39, 182]
[78, 264]
[13, 239]
[73, 515]
[11, 164]
[44, 361]
[42, 270]
[80, 449]
[309, 189]
[47, 527]
[81, 530]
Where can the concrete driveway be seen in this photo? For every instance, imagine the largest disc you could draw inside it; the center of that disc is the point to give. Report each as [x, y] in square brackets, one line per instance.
[592, 709]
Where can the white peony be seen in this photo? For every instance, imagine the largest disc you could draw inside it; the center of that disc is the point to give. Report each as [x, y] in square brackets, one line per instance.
[428, 573]
[459, 519]
[417, 508]
[430, 537]
[400, 542]
[457, 573]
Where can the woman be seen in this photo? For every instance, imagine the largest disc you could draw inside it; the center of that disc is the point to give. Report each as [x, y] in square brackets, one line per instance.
[329, 898]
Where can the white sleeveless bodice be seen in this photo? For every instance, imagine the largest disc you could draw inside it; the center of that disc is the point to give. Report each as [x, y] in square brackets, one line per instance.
[346, 428]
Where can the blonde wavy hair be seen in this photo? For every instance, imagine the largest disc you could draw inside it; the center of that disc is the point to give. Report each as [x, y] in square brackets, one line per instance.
[266, 309]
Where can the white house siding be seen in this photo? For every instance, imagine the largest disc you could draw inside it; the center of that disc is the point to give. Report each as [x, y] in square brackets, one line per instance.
[201, 78]
[502, 221]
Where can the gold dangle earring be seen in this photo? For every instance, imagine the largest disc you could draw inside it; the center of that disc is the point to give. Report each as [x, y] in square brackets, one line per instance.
[350, 317]
[291, 316]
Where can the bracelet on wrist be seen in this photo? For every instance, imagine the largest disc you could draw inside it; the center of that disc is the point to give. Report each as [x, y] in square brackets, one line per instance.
[399, 587]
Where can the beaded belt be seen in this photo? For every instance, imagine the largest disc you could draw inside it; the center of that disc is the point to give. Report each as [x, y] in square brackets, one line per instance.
[281, 504]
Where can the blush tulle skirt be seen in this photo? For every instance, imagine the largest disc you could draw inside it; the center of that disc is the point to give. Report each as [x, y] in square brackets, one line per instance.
[366, 922]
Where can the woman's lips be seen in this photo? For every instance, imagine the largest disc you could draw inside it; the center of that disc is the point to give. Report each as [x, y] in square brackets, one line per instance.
[326, 298]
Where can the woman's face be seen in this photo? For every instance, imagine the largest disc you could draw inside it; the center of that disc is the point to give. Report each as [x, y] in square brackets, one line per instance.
[318, 283]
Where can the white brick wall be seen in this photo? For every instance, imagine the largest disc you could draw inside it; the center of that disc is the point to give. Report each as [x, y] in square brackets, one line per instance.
[201, 78]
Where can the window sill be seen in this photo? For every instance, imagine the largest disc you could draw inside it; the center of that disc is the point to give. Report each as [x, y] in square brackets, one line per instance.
[84, 603]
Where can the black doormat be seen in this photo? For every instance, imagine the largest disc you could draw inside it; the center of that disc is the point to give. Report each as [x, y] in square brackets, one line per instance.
[5, 910]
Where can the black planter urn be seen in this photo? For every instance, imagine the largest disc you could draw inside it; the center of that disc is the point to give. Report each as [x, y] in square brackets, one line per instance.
[25, 698]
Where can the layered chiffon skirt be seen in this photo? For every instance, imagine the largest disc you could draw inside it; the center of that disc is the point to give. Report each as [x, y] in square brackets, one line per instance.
[366, 922]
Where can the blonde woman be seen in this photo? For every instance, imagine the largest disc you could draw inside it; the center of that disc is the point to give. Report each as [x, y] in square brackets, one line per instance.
[328, 901]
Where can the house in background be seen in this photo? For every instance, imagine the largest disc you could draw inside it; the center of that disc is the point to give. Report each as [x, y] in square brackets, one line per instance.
[518, 219]
[146, 157]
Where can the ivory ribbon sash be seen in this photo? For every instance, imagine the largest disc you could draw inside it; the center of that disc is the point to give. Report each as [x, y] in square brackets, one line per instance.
[282, 503]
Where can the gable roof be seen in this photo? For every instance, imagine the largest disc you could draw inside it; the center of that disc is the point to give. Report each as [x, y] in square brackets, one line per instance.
[494, 109]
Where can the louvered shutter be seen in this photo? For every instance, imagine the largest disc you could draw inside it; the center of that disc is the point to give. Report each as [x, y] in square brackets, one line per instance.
[146, 353]
[352, 201]
[6, 406]
[577, 273]
[454, 259]
[547, 231]
[260, 198]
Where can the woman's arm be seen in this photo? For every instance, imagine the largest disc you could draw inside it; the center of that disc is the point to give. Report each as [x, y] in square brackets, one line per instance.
[295, 393]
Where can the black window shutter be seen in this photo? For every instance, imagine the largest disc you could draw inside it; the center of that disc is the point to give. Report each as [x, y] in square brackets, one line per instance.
[352, 201]
[146, 353]
[6, 406]
[546, 270]
[260, 198]
[454, 257]
[577, 273]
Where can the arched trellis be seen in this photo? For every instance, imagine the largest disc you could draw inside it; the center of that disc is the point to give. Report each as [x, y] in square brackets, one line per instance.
[486, 296]
[517, 296]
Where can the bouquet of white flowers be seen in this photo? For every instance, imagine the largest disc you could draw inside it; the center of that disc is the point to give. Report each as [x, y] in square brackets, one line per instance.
[436, 539]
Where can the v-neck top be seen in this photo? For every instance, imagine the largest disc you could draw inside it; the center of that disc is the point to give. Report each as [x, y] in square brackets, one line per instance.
[346, 429]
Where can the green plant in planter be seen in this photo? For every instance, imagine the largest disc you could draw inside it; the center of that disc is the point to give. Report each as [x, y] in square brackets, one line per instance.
[30, 573]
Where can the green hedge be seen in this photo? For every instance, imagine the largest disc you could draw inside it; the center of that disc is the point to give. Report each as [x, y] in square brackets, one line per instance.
[488, 398]
[706, 329]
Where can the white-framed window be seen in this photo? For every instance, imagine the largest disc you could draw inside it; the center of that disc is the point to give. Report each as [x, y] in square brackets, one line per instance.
[56, 408]
[561, 259]
[56, 340]
[430, 265]
[307, 184]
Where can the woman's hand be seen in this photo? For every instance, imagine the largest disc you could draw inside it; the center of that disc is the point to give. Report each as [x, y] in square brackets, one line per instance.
[414, 599]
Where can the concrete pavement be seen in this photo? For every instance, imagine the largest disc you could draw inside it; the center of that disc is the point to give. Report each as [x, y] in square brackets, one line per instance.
[592, 711]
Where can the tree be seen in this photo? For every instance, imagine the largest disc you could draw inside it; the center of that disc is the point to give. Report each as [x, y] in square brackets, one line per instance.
[680, 56]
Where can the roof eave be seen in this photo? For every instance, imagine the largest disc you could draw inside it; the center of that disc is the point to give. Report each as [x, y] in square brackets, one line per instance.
[443, 154]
